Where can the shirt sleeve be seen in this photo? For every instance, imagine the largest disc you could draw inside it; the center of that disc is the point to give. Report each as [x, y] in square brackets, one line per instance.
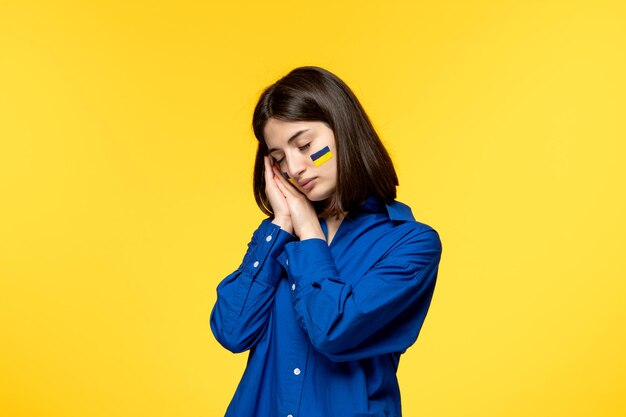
[244, 298]
[381, 312]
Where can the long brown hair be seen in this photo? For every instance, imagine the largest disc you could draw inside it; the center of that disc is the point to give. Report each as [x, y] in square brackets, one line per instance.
[314, 94]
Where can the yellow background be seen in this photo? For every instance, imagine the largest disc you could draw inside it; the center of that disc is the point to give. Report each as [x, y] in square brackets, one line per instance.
[125, 194]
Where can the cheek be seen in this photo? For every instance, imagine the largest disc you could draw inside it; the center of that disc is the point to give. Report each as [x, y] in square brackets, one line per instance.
[322, 156]
[329, 171]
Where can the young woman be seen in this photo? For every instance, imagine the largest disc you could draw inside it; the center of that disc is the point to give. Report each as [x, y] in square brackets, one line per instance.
[336, 283]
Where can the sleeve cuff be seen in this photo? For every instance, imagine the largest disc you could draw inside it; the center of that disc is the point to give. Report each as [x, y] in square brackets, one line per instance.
[271, 240]
[308, 261]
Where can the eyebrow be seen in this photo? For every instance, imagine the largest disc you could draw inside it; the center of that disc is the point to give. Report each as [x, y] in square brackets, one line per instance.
[291, 139]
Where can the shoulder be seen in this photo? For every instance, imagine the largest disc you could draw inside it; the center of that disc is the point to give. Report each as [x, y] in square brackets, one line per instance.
[413, 232]
[391, 229]
[417, 237]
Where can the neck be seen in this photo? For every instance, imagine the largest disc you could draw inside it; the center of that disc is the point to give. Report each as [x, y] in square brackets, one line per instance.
[332, 224]
[333, 219]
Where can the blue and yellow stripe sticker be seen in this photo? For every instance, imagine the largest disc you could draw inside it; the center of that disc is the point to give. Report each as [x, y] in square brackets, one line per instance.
[322, 156]
[291, 180]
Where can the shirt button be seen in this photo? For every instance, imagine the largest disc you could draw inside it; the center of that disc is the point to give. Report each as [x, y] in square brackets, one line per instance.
[293, 287]
[289, 415]
[267, 239]
[286, 261]
[255, 264]
[296, 371]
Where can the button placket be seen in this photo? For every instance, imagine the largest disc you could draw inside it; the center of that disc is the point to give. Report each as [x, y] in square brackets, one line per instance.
[296, 361]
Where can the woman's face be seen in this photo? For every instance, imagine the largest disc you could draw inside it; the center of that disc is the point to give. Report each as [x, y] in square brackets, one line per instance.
[306, 152]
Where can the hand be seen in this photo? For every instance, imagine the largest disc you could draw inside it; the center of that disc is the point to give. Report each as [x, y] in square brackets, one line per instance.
[276, 198]
[304, 219]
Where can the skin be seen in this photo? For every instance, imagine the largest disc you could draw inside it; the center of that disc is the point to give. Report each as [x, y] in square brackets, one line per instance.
[291, 203]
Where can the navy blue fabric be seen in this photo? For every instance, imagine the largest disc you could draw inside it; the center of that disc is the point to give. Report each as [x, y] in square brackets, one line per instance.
[326, 324]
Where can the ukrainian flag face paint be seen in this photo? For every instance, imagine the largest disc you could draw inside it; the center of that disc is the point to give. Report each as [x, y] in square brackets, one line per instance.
[288, 178]
[322, 156]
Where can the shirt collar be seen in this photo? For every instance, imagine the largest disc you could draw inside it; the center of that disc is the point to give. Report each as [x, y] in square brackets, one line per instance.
[396, 210]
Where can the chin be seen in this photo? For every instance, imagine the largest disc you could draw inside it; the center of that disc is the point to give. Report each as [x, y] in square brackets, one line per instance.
[319, 196]
[315, 198]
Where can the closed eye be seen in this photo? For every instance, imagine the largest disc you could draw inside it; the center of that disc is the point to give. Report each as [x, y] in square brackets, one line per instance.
[276, 160]
[305, 147]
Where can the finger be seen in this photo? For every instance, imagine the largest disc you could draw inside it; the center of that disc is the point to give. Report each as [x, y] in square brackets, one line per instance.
[270, 167]
[275, 167]
[270, 174]
[288, 184]
[280, 184]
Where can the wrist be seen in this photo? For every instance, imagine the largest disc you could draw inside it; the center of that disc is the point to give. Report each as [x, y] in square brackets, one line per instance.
[284, 223]
[312, 234]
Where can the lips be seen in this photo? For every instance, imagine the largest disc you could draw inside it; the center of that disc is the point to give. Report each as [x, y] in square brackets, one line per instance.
[308, 183]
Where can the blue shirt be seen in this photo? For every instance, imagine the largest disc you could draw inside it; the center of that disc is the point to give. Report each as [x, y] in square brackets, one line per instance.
[326, 324]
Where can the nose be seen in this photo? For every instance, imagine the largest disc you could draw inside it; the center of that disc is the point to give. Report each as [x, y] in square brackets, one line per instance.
[296, 165]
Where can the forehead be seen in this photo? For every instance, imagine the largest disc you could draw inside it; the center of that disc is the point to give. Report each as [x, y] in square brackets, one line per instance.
[278, 132]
